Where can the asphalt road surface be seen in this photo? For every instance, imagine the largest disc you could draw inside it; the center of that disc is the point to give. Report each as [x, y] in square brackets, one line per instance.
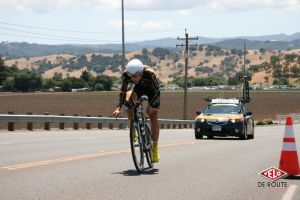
[97, 164]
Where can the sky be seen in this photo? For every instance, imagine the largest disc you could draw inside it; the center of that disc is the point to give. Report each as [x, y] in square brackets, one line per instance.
[99, 21]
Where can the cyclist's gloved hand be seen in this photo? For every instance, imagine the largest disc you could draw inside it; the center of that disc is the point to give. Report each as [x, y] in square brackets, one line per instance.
[116, 113]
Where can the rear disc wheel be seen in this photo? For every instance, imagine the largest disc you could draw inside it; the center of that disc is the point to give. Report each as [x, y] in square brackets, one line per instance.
[148, 144]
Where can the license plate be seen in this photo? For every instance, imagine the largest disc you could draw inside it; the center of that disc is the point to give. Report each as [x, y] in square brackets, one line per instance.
[216, 128]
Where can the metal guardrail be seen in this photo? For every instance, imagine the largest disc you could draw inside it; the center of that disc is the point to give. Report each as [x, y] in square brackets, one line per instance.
[11, 119]
[282, 118]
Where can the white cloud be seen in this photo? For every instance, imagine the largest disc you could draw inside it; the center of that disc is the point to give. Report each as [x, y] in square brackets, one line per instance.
[184, 12]
[51, 5]
[157, 25]
[237, 5]
[140, 5]
[144, 25]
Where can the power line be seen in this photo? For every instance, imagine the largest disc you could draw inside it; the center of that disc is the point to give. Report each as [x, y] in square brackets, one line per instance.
[36, 37]
[57, 36]
[88, 32]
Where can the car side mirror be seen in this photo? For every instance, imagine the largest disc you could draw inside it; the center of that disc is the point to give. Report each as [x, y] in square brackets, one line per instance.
[198, 112]
[249, 113]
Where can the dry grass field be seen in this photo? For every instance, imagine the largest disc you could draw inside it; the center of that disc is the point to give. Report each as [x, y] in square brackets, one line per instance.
[264, 104]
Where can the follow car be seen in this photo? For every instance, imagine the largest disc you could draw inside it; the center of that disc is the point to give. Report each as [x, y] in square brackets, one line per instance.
[224, 117]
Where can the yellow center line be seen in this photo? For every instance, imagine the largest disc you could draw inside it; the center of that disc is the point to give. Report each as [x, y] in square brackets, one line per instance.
[86, 156]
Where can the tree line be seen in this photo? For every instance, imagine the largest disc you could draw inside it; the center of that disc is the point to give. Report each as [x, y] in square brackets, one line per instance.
[24, 80]
[281, 68]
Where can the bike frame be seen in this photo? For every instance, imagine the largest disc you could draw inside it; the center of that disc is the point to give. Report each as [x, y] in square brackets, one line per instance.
[140, 124]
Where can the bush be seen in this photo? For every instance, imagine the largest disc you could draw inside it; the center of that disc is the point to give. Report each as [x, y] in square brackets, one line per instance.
[8, 84]
[265, 122]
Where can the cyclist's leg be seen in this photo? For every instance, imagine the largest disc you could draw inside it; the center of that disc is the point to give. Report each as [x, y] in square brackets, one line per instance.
[153, 114]
[152, 110]
[130, 97]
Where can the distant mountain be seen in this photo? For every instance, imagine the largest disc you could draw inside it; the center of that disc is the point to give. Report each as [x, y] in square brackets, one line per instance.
[24, 49]
[278, 42]
[239, 44]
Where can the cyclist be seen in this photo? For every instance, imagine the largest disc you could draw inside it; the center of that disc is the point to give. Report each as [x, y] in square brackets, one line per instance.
[145, 83]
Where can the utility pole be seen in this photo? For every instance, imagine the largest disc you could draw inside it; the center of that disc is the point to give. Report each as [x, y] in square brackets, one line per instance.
[244, 70]
[187, 38]
[123, 38]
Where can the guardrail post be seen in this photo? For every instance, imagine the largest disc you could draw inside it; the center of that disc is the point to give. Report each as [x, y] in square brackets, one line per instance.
[88, 125]
[11, 125]
[47, 124]
[75, 125]
[29, 124]
[61, 124]
[110, 125]
[121, 124]
[100, 123]
[279, 119]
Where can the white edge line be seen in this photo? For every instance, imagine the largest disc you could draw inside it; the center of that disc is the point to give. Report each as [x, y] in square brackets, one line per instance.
[288, 195]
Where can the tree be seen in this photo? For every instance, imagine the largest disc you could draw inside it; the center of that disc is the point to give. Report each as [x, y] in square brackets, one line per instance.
[281, 81]
[3, 71]
[236, 80]
[8, 84]
[145, 52]
[254, 68]
[22, 82]
[86, 76]
[295, 70]
[49, 83]
[103, 82]
[274, 60]
[66, 85]
[57, 77]
[161, 52]
[290, 57]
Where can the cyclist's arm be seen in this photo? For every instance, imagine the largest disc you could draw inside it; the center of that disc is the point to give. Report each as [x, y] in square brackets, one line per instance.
[122, 94]
[155, 83]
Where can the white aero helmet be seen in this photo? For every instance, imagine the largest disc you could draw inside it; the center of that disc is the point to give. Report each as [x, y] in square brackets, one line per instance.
[134, 67]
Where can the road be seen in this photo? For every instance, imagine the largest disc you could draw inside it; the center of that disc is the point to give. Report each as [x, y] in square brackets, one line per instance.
[97, 164]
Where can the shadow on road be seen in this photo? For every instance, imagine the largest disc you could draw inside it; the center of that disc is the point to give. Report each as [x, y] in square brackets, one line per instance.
[132, 172]
[293, 177]
[222, 138]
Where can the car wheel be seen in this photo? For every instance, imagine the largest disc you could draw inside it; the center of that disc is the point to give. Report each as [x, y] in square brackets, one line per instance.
[210, 137]
[198, 135]
[244, 135]
[251, 136]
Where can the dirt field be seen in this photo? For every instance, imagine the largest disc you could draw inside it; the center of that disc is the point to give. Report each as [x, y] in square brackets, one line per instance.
[264, 104]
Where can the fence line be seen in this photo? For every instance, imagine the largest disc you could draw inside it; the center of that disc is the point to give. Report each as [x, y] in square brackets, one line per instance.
[47, 119]
[282, 118]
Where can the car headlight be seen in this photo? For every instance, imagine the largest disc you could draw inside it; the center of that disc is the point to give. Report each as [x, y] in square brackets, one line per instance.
[235, 120]
[232, 120]
[201, 120]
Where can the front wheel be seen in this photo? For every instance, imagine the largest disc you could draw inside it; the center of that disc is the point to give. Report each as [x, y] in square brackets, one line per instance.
[244, 135]
[198, 135]
[136, 145]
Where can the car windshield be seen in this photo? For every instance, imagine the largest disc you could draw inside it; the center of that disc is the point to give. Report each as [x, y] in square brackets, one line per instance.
[222, 109]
